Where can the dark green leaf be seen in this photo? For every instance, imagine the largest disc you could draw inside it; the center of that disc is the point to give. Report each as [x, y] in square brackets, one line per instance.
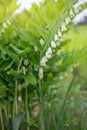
[30, 79]
[17, 120]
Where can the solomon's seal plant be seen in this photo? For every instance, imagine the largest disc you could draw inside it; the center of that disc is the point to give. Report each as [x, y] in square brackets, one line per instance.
[33, 59]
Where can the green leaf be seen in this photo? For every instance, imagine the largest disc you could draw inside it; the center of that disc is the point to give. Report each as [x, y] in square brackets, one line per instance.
[14, 72]
[28, 37]
[19, 51]
[13, 7]
[13, 55]
[53, 60]
[2, 88]
[64, 42]
[48, 84]
[5, 4]
[30, 79]
[6, 64]
[1, 12]
[17, 120]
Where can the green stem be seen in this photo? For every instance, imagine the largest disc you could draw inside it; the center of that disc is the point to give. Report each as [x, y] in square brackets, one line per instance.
[27, 110]
[41, 105]
[5, 111]
[42, 127]
[2, 125]
[16, 97]
[16, 87]
[8, 108]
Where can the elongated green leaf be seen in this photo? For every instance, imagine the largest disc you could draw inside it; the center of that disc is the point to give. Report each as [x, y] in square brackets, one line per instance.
[6, 65]
[13, 6]
[14, 56]
[19, 51]
[14, 72]
[1, 12]
[17, 120]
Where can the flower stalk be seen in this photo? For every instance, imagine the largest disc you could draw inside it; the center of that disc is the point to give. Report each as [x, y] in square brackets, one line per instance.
[76, 8]
[27, 109]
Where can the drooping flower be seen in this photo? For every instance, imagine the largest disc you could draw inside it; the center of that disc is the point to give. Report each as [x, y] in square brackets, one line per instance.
[20, 87]
[48, 55]
[19, 98]
[81, 2]
[76, 65]
[49, 50]
[26, 62]
[67, 20]
[35, 48]
[63, 27]
[59, 34]
[43, 61]
[53, 44]
[72, 13]
[61, 77]
[24, 70]
[42, 42]
[56, 38]
[76, 10]
[40, 74]
[66, 74]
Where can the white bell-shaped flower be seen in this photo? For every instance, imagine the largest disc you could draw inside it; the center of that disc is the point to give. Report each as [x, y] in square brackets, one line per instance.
[40, 74]
[42, 42]
[19, 98]
[49, 50]
[67, 20]
[56, 38]
[59, 34]
[35, 48]
[72, 13]
[48, 55]
[43, 61]
[53, 44]
[26, 62]
[63, 27]
[76, 10]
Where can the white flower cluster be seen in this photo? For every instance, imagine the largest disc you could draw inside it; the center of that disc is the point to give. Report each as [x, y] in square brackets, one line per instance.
[73, 11]
[24, 70]
[76, 65]
[35, 48]
[26, 62]
[19, 98]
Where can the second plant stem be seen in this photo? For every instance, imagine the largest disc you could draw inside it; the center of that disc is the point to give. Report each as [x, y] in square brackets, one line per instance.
[41, 106]
[27, 108]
